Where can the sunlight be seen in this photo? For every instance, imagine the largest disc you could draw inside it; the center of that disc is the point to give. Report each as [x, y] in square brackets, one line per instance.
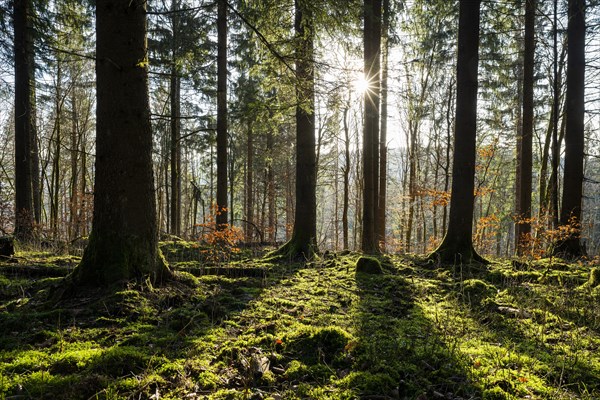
[361, 85]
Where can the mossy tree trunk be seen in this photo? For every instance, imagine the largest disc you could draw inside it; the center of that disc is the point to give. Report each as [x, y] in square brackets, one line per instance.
[303, 242]
[457, 246]
[124, 239]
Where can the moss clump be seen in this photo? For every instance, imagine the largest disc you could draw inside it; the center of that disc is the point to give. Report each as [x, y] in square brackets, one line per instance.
[121, 361]
[207, 380]
[367, 383]
[477, 292]
[299, 371]
[495, 394]
[369, 265]
[314, 345]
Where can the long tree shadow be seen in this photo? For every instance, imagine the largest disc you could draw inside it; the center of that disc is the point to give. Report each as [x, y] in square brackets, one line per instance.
[409, 356]
[535, 345]
[129, 343]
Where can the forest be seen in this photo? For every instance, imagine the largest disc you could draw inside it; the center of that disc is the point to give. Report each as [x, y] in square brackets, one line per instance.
[277, 199]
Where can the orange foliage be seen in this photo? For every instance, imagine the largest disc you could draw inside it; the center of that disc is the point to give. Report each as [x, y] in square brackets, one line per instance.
[486, 231]
[541, 244]
[439, 198]
[218, 243]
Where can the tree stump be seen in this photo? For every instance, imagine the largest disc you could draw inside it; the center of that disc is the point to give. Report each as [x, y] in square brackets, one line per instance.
[7, 246]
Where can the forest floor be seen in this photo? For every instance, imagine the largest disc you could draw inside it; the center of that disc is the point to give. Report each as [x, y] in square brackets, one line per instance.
[257, 329]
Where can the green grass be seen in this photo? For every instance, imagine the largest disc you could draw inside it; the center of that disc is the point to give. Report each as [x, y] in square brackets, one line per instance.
[320, 331]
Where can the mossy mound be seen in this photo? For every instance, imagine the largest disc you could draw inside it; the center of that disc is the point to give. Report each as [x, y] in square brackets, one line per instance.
[313, 345]
[477, 292]
[369, 265]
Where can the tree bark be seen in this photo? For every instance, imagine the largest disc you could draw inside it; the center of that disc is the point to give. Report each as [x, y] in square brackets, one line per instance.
[272, 224]
[124, 239]
[382, 198]
[24, 119]
[372, 47]
[457, 246]
[572, 194]
[175, 126]
[249, 228]
[175, 208]
[303, 242]
[525, 142]
[346, 171]
[221, 218]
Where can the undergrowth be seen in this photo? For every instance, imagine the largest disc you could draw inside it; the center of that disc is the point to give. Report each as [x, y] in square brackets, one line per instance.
[252, 329]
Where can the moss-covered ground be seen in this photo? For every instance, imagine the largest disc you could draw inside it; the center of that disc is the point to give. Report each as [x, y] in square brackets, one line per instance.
[255, 329]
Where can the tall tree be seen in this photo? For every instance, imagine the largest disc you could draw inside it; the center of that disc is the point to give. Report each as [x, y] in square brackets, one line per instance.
[175, 122]
[525, 141]
[382, 198]
[570, 214]
[25, 122]
[346, 171]
[124, 239]
[457, 245]
[372, 64]
[221, 218]
[303, 242]
[552, 199]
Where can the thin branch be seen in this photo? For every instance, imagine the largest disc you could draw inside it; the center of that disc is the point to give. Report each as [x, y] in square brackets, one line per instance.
[261, 37]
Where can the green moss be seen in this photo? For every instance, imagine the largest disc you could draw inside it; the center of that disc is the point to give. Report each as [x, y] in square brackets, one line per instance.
[367, 383]
[298, 371]
[594, 279]
[327, 332]
[73, 361]
[496, 394]
[369, 265]
[120, 361]
[207, 380]
[477, 292]
[317, 344]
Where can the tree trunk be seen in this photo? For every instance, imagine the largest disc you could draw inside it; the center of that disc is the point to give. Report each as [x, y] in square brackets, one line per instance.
[553, 198]
[75, 196]
[83, 216]
[249, 228]
[372, 47]
[24, 119]
[175, 208]
[303, 242]
[175, 125]
[447, 157]
[272, 224]
[382, 198]
[124, 239]
[572, 195]
[457, 246]
[221, 218]
[525, 141]
[55, 177]
[346, 171]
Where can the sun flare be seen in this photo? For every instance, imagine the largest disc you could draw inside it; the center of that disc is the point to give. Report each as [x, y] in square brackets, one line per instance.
[361, 85]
